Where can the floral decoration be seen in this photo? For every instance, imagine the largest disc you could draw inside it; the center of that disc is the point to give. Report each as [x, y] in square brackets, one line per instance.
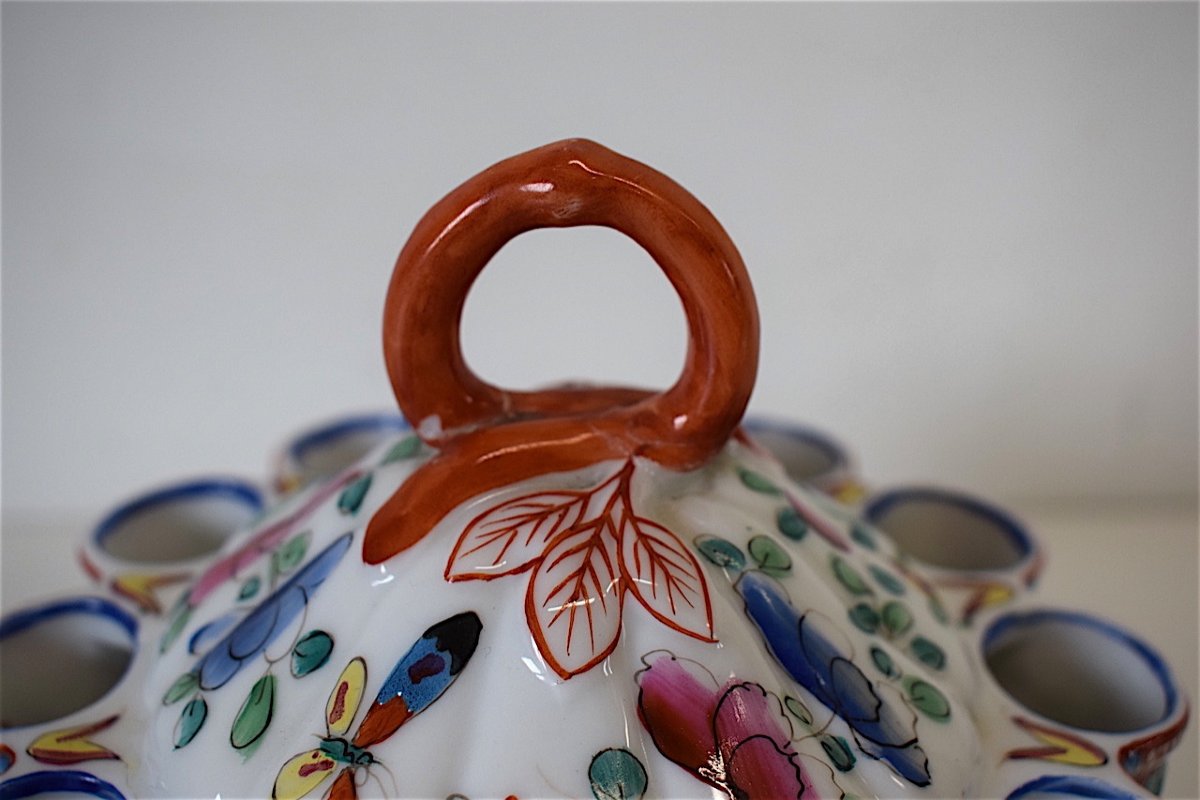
[735, 736]
[882, 728]
[585, 549]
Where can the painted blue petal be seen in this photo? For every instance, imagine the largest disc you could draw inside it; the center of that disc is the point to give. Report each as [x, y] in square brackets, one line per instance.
[910, 762]
[856, 697]
[254, 633]
[210, 632]
[768, 607]
[819, 666]
[822, 654]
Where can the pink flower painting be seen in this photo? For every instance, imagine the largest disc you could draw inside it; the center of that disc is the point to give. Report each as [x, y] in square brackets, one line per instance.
[734, 737]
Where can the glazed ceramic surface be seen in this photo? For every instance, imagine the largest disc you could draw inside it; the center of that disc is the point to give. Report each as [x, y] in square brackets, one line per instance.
[578, 592]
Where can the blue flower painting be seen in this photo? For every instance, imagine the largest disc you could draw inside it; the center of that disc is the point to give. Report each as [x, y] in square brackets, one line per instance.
[254, 633]
[880, 729]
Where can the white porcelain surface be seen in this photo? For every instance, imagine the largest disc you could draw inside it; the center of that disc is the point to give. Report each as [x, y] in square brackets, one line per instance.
[575, 721]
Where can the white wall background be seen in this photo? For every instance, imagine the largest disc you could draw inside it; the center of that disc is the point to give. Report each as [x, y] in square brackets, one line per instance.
[972, 228]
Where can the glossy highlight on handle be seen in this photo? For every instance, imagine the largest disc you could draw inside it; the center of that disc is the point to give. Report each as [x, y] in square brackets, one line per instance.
[489, 436]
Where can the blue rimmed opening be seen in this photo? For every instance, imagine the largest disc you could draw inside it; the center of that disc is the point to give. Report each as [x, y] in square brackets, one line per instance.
[808, 455]
[949, 529]
[382, 424]
[327, 449]
[91, 640]
[1079, 670]
[60, 782]
[178, 522]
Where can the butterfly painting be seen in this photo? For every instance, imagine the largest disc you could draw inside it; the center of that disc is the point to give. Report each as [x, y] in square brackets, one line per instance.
[419, 678]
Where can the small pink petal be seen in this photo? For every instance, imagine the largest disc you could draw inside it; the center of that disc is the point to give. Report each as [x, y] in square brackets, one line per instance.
[676, 708]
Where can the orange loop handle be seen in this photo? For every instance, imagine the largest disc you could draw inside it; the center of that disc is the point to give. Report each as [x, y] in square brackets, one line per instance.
[569, 183]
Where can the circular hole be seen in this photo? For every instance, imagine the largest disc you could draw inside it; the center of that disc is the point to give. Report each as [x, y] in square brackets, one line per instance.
[179, 522]
[579, 304]
[325, 451]
[807, 456]
[949, 530]
[89, 641]
[1079, 671]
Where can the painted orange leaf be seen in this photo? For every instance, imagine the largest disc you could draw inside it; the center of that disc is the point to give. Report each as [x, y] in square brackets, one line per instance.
[509, 538]
[573, 603]
[665, 577]
[586, 549]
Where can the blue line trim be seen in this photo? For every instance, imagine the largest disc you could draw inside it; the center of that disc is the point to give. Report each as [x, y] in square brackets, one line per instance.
[70, 781]
[801, 433]
[878, 507]
[328, 432]
[20, 620]
[233, 489]
[1017, 620]
[1072, 786]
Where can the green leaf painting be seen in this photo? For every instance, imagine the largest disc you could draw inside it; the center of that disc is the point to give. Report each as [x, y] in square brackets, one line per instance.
[190, 722]
[184, 685]
[289, 555]
[896, 618]
[311, 652]
[927, 699]
[840, 754]
[255, 714]
[770, 557]
[406, 448]
[927, 652]
[721, 552]
[353, 495]
[616, 774]
[791, 524]
[756, 482]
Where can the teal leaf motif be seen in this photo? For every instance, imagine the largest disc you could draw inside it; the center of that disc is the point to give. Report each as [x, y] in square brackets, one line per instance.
[938, 610]
[883, 662]
[896, 618]
[864, 617]
[863, 536]
[798, 710]
[721, 552]
[311, 652]
[406, 448]
[184, 685]
[616, 774]
[756, 482]
[180, 616]
[928, 653]
[190, 722]
[791, 524]
[289, 555]
[249, 588]
[770, 557]
[255, 714]
[887, 580]
[927, 699]
[838, 751]
[849, 577]
[353, 495]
